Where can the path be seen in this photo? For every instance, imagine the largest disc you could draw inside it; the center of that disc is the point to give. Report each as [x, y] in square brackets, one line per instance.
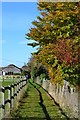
[38, 105]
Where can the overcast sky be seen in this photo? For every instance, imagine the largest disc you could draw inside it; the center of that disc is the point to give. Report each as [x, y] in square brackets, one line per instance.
[16, 22]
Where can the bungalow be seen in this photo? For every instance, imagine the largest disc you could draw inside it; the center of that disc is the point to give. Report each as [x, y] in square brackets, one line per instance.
[10, 70]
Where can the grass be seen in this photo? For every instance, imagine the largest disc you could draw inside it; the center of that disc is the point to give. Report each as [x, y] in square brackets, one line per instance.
[37, 104]
[29, 102]
[6, 82]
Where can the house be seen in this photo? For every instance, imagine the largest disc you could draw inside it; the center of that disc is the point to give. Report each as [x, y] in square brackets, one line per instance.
[25, 68]
[0, 71]
[10, 70]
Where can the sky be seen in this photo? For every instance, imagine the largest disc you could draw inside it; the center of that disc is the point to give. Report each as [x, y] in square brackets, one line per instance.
[16, 22]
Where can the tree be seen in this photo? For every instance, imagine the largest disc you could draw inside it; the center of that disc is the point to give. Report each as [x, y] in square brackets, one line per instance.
[58, 21]
[56, 32]
[37, 69]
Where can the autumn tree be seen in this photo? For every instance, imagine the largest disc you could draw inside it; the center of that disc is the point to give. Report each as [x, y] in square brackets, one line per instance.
[57, 21]
[56, 32]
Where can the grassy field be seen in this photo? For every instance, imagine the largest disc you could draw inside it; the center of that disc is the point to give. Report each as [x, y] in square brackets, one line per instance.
[8, 81]
[5, 82]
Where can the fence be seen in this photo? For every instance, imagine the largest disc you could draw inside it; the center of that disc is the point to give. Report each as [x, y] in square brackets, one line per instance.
[66, 96]
[9, 96]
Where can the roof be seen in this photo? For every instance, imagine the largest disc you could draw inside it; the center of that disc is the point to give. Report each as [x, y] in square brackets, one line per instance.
[11, 67]
[26, 68]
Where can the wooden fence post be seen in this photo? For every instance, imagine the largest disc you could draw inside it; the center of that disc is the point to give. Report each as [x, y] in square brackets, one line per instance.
[12, 95]
[3, 101]
[15, 89]
[15, 94]
[22, 83]
[9, 97]
[19, 89]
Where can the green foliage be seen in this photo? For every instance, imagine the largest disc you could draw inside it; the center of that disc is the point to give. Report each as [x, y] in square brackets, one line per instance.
[37, 69]
[71, 74]
[17, 74]
[24, 73]
[57, 21]
[56, 32]
[42, 76]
